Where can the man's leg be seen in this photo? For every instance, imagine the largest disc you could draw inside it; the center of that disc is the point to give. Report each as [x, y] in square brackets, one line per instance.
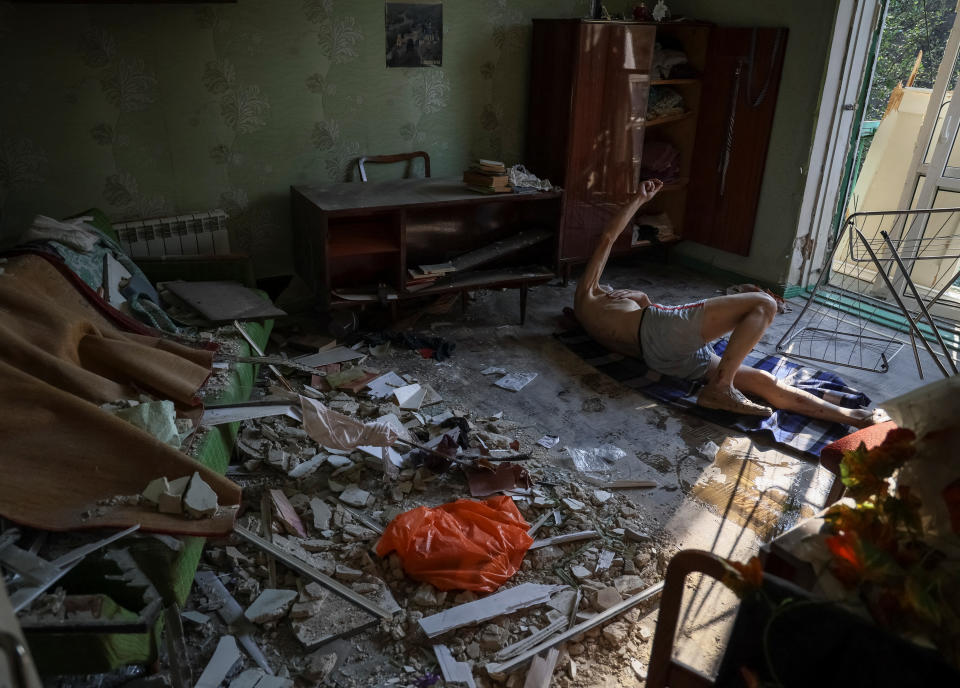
[762, 384]
[746, 317]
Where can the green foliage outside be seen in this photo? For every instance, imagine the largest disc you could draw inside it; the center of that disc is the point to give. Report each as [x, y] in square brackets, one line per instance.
[911, 26]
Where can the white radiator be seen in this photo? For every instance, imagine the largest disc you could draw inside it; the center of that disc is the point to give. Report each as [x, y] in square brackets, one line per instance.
[194, 234]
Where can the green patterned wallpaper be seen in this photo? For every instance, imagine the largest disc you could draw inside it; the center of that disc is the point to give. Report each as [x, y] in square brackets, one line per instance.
[147, 110]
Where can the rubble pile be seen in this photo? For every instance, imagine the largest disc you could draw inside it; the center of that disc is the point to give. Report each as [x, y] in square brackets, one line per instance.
[327, 508]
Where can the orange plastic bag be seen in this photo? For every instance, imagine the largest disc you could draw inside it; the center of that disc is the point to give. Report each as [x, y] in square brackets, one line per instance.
[463, 545]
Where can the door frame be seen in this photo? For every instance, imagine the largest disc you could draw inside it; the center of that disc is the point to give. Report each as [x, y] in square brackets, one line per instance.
[838, 127]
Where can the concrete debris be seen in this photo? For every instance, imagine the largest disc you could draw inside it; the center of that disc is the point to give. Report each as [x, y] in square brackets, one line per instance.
[354, 496]
[607, 597]
[321, 514]
[154, 489]
[170, 500]
[629, 585]
[221, 663]
[639, 669]
[271, 605]
[199, 500]
[308, 467]
[581, 572]
[319, 666]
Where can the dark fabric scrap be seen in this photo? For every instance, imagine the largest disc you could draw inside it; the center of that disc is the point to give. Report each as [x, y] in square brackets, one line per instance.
[440, 347]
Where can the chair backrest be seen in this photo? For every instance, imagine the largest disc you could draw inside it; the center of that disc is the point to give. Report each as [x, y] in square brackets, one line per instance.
[398, 157]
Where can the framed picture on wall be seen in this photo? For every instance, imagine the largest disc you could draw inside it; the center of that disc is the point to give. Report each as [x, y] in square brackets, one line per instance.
[414, 33]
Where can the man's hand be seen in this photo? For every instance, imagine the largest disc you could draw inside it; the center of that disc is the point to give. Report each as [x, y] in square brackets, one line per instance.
[647, 191]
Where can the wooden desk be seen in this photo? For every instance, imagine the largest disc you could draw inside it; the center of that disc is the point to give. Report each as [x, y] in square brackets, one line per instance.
[356, 237]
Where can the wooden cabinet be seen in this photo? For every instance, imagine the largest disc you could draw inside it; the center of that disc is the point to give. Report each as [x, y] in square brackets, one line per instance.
[589, 118]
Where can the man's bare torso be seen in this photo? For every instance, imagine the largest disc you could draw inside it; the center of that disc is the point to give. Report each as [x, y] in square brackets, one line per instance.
[614, 323]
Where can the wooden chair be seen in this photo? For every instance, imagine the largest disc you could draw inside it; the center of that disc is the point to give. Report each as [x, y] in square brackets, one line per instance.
[398, 157]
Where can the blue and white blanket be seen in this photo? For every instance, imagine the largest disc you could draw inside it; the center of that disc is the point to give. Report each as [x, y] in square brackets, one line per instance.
[790, 429]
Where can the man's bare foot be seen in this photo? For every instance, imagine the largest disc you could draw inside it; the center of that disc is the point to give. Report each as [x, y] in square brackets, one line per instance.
[864, 418]
[730, 399]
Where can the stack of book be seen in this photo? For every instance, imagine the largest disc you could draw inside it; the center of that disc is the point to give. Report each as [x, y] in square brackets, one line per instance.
[487, 176]
[424, 275]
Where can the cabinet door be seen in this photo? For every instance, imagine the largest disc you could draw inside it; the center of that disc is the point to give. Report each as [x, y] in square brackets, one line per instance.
[739, 96]
[611, 84]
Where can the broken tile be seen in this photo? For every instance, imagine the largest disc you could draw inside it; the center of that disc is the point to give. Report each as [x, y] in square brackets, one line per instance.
[271, 605]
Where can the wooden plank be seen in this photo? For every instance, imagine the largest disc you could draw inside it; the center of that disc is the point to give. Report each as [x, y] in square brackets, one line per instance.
[591, 623]
[305, 569]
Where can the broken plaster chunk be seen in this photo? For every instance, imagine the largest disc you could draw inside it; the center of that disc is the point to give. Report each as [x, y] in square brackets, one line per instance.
[195, 617]
[638, 669]
[308, 467]
[580, 572]
[271, 605]
[321, 514]
[636, 535]
[425, 596]
[154, 489]
[336, 461]
[616, 633]
[608, 597]
[199, 501]
[304, 610]
[346, 573]
[601, 497]
[355, 533]
[171, 499]
[354, 496]
[574, 504]
[629, 585]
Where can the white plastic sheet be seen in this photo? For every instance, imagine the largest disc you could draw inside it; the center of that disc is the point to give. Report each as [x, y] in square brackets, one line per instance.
[331, 429]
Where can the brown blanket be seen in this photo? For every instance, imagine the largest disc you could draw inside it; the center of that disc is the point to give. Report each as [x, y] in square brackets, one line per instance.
[61, 456]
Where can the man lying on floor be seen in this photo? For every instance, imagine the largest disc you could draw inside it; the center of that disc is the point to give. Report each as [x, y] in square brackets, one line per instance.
[673, 340]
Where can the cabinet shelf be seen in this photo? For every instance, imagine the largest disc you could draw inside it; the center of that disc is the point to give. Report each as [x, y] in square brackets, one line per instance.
[360, 246]
[670, 118]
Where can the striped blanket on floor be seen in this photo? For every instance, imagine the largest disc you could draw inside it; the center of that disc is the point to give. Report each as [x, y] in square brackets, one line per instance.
[790, 429]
